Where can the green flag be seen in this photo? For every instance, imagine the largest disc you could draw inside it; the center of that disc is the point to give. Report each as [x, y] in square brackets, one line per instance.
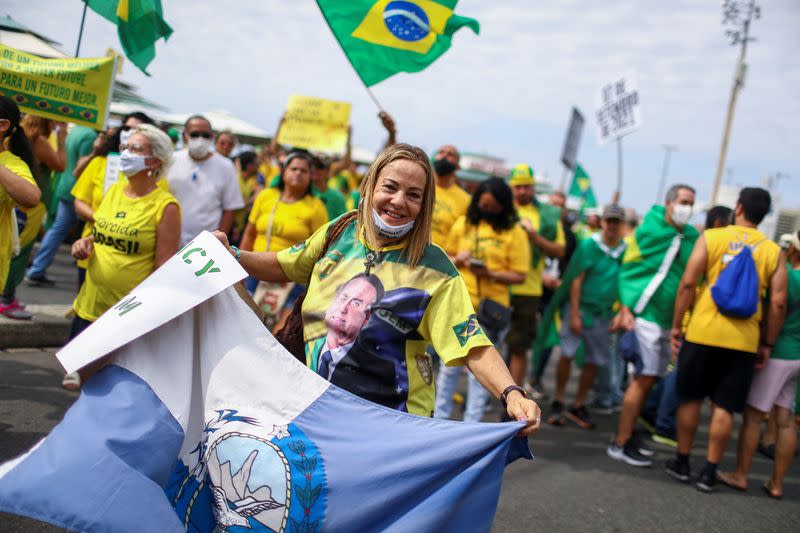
[384, 37]
[581, 189]
[140, 23]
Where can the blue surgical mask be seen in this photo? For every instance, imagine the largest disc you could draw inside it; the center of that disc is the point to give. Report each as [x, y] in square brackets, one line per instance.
[388, 231]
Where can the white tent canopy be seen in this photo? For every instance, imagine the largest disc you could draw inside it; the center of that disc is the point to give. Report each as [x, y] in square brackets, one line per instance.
[221, 121]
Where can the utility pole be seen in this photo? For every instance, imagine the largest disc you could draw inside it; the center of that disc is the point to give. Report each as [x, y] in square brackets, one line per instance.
[734, 16]
[668, 149]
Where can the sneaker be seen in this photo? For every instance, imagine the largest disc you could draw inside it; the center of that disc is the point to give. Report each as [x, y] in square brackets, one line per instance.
[706, 481]
[679, 471]
[556, 417]
[665, 439]
[601, 409]
[642, 446]
[628, 453]
[39, 281]
[15, 310]
[536, 391]
[580, 416]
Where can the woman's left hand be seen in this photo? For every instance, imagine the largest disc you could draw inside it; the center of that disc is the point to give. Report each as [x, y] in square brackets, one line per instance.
[521, 409]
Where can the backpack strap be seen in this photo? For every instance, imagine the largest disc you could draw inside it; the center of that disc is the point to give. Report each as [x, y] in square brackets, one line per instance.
[291, 334]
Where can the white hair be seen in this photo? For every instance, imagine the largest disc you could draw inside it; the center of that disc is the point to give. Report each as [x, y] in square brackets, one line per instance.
[160, 144]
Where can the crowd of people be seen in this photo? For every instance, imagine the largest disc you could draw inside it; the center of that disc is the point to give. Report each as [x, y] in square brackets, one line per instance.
[387, 281]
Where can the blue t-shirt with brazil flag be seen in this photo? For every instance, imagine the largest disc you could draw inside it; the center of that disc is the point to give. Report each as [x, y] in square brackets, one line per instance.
[368, 318]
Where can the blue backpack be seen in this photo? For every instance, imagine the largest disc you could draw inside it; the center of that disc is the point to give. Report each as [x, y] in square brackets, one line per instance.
[736, 291]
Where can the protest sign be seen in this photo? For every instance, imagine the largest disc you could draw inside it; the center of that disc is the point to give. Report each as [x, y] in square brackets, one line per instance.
[618, 109]
[315, 124]
[570, 152]
[74, 90]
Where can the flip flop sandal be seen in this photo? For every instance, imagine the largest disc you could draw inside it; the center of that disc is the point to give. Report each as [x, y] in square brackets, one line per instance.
[729, 484]
[767, 488]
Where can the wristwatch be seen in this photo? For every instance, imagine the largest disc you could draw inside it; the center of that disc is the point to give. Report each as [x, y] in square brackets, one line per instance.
[508, 390]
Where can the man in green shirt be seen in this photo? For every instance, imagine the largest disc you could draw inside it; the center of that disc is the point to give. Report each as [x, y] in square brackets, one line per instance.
[79, 144]
[591, 288]
[335, 202]
[774, 390]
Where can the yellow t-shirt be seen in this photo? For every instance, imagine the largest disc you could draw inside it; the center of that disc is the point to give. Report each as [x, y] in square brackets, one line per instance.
[505, 251]
[291, 224]
[269, 171]
[390, 317]
[707, 325]
[532, 286]
[20, 168]
[90, 189]
[124, 248]
[451, 204]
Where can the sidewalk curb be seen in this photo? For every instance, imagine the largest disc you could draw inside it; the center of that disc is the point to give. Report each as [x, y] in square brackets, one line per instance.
[49, 327]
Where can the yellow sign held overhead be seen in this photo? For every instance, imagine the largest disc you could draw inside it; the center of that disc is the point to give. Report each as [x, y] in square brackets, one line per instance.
[72, 90]
[315, 124]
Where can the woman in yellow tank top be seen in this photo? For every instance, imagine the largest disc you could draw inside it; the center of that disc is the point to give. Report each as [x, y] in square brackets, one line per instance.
[136, 229]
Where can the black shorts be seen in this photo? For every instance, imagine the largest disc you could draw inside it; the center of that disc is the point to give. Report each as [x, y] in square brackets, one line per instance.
[523, 322]
[721, 374]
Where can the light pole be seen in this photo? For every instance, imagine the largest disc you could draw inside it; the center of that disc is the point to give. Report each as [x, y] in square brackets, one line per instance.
[668, 149]
[737, 15]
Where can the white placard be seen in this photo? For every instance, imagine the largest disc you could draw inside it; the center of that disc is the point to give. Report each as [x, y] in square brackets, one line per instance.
[112, 172]
[200, 270]
[618, 109]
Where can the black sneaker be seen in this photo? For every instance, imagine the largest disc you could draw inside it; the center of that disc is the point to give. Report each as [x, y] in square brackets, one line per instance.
[641, 445]
[678, 470]
[39, 281]
[580, 416]
[706, 481]
[556, 417]
[628, 453]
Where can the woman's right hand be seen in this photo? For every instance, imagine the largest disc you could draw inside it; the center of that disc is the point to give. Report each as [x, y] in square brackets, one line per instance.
[82, 248]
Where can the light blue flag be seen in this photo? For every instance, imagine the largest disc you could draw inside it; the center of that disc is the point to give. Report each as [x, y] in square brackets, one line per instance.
[206, 424]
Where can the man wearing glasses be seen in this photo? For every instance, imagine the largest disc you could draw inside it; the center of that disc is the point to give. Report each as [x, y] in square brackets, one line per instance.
[204, 182]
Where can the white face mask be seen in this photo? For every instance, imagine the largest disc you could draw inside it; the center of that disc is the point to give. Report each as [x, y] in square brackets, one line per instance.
[681, 214]
[124, 137]
[199, 146]
[390, 232]
[131, 164]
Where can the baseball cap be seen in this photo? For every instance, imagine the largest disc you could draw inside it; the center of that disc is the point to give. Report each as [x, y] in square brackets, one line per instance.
[521, 174]
[790, 239]
[613, 211]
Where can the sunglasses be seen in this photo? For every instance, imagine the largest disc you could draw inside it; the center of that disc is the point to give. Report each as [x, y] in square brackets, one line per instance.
[203, 134]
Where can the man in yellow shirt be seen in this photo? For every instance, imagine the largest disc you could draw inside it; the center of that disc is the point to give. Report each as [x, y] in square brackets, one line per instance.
[451, 200]
[720, 351]
[542, 225]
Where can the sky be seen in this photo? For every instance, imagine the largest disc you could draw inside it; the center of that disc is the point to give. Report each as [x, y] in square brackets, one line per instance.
[507, 92]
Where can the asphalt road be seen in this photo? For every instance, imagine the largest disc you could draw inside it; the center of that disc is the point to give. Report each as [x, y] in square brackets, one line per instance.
[571, 486]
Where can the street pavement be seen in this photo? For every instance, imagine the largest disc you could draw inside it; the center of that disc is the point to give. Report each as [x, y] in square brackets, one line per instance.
[571, 485]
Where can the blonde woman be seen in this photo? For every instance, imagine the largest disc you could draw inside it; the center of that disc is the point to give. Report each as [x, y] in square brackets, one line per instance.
[381, 293]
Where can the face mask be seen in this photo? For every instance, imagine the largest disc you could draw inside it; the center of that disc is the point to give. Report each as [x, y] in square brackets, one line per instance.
[443, 167]
[199, 146]
[681, 214]
[131, 164]
[124, 137]
[390, 232]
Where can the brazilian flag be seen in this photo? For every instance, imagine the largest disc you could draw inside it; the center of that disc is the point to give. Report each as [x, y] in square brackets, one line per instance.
[384, 37]
[581, 189]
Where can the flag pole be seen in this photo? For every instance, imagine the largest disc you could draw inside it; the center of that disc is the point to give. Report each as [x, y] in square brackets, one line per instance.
[372, 96]
[80, 32]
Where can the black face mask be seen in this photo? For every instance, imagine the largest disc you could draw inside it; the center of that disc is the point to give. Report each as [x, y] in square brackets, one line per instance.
[494, 219]
[443, 167]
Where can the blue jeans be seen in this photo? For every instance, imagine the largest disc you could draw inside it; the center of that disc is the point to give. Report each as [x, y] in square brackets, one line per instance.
[662, 404]
[447, 382]
[63, 224]
[607, 384]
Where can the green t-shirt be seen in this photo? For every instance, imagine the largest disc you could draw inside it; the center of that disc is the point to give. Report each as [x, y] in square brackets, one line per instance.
[334, 201]
[79, 144]
[600, 289]
[369, 333]
[788, 344]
